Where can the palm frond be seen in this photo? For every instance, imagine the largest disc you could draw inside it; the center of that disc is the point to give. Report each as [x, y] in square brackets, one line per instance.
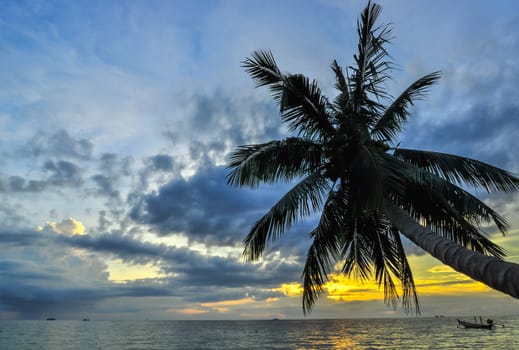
[446, 220]
[461, 170]
[343, 98]
[315, 275]
[303, 199]
[323, 252]
[386, 258]
[262, 67]
[371, 68]
[447, 209]
[473, 209]
[301, 102]
[358, 252]
[409, 295]
[272, 161]
[390, 123]
[303, 107]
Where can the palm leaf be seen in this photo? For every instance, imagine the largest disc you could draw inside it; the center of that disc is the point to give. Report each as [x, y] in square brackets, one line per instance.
[343, 98]
[409, 294]
[301, 103]
[358, 252]
[461, 170]
[324, 250]
[262, 67]
[472, 208]
[444, 208]
[272, 161]
[304, 198]
[371, 69]
[303, 107]
[390, 123]
[386, 258]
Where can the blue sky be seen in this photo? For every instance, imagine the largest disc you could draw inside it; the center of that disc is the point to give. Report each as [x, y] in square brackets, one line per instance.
[116, 118]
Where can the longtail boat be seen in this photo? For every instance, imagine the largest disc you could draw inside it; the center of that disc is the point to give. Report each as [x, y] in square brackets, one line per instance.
[488, 325]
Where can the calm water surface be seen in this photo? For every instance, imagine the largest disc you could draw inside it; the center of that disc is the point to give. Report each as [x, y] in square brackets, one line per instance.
[408, 333]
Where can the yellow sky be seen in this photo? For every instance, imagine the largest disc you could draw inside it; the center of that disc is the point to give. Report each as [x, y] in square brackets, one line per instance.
[121, 272]
[432, 278]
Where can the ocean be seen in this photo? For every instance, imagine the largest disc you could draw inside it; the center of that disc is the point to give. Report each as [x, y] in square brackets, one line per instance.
[401, 333]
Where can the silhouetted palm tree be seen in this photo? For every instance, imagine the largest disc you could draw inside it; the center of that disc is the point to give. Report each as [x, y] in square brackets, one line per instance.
[367, 192]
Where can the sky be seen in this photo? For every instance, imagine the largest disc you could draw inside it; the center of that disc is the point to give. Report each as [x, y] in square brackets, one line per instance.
[116, 118]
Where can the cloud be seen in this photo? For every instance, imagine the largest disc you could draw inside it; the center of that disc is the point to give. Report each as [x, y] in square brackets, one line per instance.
[106, 186]
[484, 132]
[201, 207]
[69, 227]
[162, 162]
[17, 183]
[60, 145]
[66, 274]
[189, 268]
[63, 173]
[208, 125]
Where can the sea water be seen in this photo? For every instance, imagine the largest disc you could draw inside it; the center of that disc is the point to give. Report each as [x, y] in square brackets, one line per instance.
[402, 333]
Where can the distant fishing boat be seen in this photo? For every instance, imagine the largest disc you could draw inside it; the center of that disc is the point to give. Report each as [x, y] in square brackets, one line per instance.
[488, 325]
[51, 319]
[86, 319]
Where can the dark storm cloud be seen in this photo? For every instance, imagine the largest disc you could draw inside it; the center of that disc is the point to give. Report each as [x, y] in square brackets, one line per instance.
[20, 184]
[19, 237]
[34, 288]
[474, 110]
[190, 268]
[157, 168]
[205, 271]
[111, 165]
[161, 162]
[59, 144]
[111, 171]
[63, 173]
[30, 301]
[484, 132]
[117, 244]
[106, 186]
[41, 277]
[202, 207]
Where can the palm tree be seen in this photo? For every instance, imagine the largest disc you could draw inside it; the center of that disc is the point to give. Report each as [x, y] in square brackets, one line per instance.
[368, 193]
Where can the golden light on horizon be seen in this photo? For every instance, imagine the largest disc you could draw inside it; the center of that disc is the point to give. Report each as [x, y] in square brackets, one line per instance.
[343, 288]
[291, 289]
[188, 311]
[430, 276]
[226, 303]
[121, 272]
[222, 310]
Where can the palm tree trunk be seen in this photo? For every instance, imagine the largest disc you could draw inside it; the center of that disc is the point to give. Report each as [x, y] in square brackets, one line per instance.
[495, 273]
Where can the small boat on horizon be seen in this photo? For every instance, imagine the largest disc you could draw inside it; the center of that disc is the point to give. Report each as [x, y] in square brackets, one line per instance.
[488, 325]
[51, 319]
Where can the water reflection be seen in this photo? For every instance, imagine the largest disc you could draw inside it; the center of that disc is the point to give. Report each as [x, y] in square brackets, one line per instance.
[408, 333]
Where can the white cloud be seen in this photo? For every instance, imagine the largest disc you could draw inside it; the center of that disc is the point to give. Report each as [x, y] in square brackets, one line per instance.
[69, 227]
